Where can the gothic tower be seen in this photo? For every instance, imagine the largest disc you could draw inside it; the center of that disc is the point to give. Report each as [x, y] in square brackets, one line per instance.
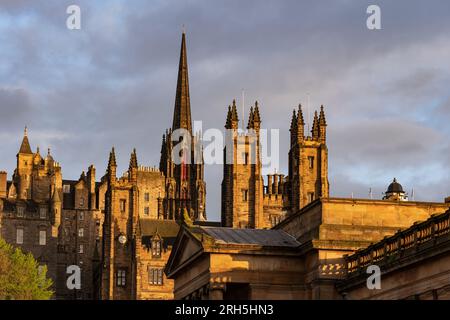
[185, 186]
[242, 185]
[308, 161]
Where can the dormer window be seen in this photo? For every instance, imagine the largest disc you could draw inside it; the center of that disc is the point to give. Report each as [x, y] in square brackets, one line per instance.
[156, 248]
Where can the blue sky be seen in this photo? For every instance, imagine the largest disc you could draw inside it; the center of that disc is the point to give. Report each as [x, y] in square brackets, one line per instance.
[386, 92]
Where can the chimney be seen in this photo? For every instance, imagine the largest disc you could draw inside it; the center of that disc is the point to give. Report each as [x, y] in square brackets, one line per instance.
[3, 181]
[269, 184]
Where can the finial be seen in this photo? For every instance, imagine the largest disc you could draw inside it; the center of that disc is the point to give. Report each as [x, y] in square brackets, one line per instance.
[25, 131]
[48, 151]
[183, 28]
[37, 149]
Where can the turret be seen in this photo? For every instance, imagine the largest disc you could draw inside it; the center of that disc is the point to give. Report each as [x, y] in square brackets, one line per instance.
[232, 117]
[293, 128]
[300, 124]
[112, 167]
[322, 125]
[315, 128]
[133, 167]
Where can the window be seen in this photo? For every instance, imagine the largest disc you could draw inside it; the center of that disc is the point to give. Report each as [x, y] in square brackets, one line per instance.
[146, 211]
[310, 197]
[66, 188]
[19, 235]
[245, 195]
[121, 277]
[156, 248]
[155, 276]
[81, 202]
[123, 205]
[311, 162]
[81, 232]
[81, 249]
[20, 211]
[42, 237]
[43, 213]
[81, 216]
[147, 196]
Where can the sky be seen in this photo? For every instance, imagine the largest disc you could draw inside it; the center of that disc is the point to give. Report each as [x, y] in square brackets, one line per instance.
[112, 83]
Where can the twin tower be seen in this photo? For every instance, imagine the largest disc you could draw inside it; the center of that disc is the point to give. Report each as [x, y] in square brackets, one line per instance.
[247, 202]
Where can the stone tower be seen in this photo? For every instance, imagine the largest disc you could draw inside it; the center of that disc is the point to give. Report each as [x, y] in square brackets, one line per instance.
[185, 186]
[308, 161]
[242, 185]
[119, 231]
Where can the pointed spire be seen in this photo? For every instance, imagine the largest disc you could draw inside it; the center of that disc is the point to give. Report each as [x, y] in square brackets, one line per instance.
[182, 110]
[256, 115]
[112, 159]
[234, 113]
[322, 120]
[251, 119]
[25, 146]
[315, 128]
[232, 117]
[293, 121]
[133, 159]
[300, 120]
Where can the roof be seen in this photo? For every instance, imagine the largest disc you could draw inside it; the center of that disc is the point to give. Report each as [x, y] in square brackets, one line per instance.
[25, 146]
[263, 237]
[395, 187]
[165, 228]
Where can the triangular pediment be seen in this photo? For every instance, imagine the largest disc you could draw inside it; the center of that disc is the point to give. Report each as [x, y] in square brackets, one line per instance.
[186, 248]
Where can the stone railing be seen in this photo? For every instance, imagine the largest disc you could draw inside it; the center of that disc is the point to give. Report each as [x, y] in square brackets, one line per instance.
[420, 235]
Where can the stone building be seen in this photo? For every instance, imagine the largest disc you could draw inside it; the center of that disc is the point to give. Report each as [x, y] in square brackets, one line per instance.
[305, 256]
[246, 201]
[142, 207]
[54, 219]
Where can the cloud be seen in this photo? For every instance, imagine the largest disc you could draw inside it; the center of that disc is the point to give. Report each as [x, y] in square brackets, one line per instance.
[113, 82]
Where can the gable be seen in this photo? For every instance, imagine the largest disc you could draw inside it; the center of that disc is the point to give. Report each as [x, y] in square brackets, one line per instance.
[186, 249]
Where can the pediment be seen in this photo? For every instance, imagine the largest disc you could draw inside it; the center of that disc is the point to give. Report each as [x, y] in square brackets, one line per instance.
[185, 249]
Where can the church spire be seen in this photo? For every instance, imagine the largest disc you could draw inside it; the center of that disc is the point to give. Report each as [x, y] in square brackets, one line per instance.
[25, 146]
[182, 110]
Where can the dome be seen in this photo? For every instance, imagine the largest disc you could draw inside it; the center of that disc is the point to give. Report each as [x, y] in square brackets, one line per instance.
[395, 187]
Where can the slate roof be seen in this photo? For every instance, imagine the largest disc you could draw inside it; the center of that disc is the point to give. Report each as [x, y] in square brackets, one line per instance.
[263, 237]
[25, 146]
[165, 228]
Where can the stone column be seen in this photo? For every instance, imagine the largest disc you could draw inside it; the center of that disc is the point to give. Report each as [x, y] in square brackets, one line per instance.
[275, 183]
[216, 291]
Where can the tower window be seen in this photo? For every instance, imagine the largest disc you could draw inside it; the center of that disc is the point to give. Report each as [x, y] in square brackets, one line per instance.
[121, 278]
[81, 216]
[146, 211]
[81, 232]
[147, 196]
[43, 213]
[81, 202]
[42, 237]
[81, 249]
[123, 205]
[155, 276]
[245, 195]
[310, 197]
[20, 211]
[19, 235]
[156, 248]
[311, 162]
